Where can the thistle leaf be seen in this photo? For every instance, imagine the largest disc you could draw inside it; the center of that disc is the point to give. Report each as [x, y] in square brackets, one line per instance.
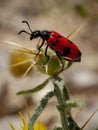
[35, 89]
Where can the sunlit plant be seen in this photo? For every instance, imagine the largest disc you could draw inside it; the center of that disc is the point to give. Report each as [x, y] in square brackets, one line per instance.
[52, 68]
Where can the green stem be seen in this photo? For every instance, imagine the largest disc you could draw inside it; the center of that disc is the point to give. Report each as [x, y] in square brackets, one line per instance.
[62, 95]
[63, 113]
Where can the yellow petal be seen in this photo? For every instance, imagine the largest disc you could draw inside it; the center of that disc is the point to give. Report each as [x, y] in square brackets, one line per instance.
[12, 127]
[39, 126]
[25, 124]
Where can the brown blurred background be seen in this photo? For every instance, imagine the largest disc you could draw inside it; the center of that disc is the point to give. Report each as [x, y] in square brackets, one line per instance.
[62, 16]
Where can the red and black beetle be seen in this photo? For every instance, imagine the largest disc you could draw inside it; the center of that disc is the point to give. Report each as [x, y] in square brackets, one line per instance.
[60, 44]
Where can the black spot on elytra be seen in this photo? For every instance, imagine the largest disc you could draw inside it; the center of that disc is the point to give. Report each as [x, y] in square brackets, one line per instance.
[53, 44]
[67, 51]
[57, 41]
[59, 36]
[70, 41]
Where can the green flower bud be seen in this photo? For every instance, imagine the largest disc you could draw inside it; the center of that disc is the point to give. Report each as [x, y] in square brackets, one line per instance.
[41, 60]
[53, 66]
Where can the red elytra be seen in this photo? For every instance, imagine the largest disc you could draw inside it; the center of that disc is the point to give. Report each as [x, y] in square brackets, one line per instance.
[64, 46]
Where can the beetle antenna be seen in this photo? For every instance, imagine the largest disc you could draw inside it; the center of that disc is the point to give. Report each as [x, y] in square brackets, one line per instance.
[24, 32]
[27, 25]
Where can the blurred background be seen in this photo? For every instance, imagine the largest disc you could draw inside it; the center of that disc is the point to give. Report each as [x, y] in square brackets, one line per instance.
[62, 16]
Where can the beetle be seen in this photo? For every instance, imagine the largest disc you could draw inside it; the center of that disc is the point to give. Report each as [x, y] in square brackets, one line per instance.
[63, 47]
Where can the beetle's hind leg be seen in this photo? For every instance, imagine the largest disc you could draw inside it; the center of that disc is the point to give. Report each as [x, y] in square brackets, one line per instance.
[59, 56]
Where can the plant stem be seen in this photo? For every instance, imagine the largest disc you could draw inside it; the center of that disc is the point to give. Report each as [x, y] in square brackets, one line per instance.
[60, 99]
[62, 95]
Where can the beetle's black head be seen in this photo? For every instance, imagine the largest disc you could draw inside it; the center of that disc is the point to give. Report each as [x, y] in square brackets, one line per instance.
[43, 34]
[35, 34]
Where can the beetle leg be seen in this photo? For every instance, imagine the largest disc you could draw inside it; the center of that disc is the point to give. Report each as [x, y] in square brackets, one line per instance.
[39, 48]
[59, 56]
[46, 54]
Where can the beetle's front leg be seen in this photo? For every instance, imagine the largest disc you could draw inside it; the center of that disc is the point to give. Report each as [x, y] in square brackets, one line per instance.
[39, 48]
[46, 54]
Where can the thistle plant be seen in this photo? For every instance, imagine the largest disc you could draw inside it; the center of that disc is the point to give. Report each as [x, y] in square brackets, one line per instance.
[52, 68]
[37, 126]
